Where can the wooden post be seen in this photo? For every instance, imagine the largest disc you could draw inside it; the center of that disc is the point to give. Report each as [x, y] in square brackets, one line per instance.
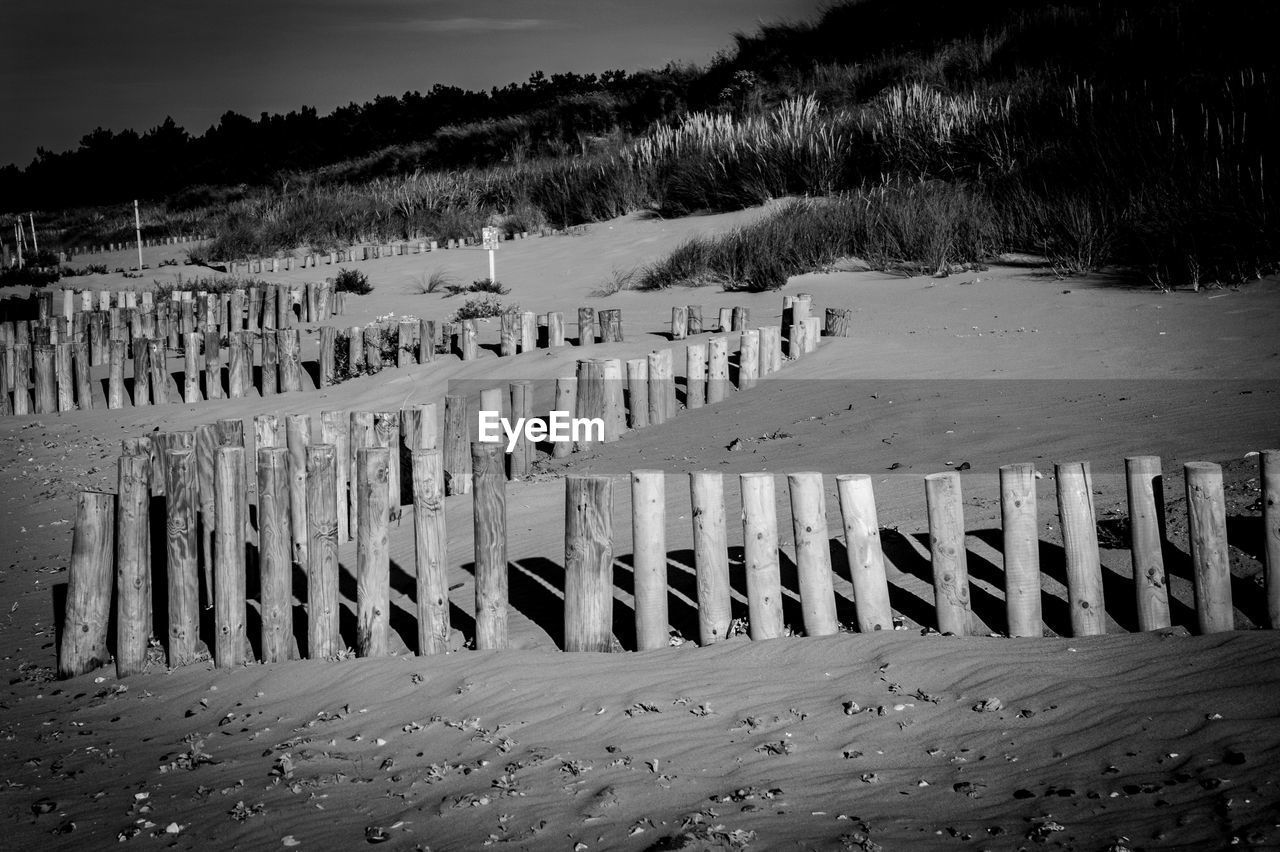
[212, 365]
[133, 568]
[948, 557]
[770, 350]
[555, 329]
[231, 434]
[649, 541]
[695, 383]
[84, 388]
[1021, 549]
[749, 359]
[638, 392]
[288, 346]
[725, 323]
[183, 555]
[46, 385]
[801, 306]
[813, 554]
[717, 369]
[838, 320]
[679, 322]
[611, 326]
[509, 335]
[797, 340]
[1144, 481]
[158, 366]
[1207, 532]
[83, 644]
[695, 319]
[711, 556]
[324, 519]
[588, 563]
[741, 316]
[591, 398]
[760, 537]
[1269, 463]
[386, 431]
[521, 406]
[1080, 541]
[360, 435]
[328, 340]
[866, 558]
[615, 415]
[190, 370]
[206, 447]
[335, 430]
[270, 363]
[431, 551]
[373, 560]
[274, 563]
[567, 401]
[426, 341]
[489, 508]
[229, 558]
[298, 438]
[812, 334]
[528, 331]
[355, 348]
[662, 387]
[586, 326]
[22, 374]
[404, 342]
[266, 434]
[236, 371]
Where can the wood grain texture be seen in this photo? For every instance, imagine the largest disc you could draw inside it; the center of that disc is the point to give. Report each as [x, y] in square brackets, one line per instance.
[1144, 484]
[489, 513]
[431, 551]
[948, 557]
[83, 643]
[1021, 548]
[275, 567]
[133, 545]
[1210, 559]
[229, 558]
[323, 517]
[813, 554]
[1080, 541]
[710, 556]
[373, 566]
[866, 557]
[182, 556]
[760, 553]
[588, 563]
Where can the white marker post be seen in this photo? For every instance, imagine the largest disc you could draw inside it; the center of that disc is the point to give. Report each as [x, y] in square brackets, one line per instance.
[137, 230]
[35, 244]
[491, 239]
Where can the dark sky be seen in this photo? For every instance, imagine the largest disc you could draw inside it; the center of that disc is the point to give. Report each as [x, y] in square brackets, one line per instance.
[68, 66]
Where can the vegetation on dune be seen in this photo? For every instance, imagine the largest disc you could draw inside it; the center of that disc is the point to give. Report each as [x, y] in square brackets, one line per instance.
[1140, 133]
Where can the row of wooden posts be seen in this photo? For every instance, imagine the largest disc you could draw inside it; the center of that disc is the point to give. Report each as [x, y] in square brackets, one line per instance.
[251, 305]
[354, 254]
[130, 244]
[110, 536]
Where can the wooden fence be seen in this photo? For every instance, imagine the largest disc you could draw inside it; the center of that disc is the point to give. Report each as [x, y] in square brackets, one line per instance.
[112, 538]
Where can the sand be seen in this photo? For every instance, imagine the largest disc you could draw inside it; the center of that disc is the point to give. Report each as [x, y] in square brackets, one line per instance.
[1156, 740]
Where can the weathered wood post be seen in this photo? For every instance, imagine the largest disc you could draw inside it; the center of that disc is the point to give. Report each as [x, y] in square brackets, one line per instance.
[591, 399]
[948, 557]
[457, 451]
[275, 566]
[866, 558]
[588, 563]
[813, 554]
[717, 369]
[158, 366]
[555, 329]
[749, 359]
[695, 319]
[62, 371]
[83, 644]
[837, 322]
[386, 432]
[206, 447]
[1021, 548]
[324, 517]
[288, 346]
[328, 340]
[1269, 464]
[615, 413]
[335, 430]
[212, 365]
[1207, 532]
[508, 333]
[566, 401]
[638, 392]
[22, 374]
[355, 348]
[404, 342]
[468, 346]
[1144, 484]
[711, 556]
[46, 384]
[229, 558]
[297, 439]
[679, 322]
[236, 366]
[521, 406]
[1080, 541]
[84, 392]
[740, 317]
[133, 568]
[760, 539]
[725, 323]
[115, 378]
[662, 387]
[586, 326]
[183, 555]
[489, 509]
[528, 331]
[431, 551]
[373, 560]
[190, 369]
[611, 325]
[695, 372]
[649, 541]
[426, 341]
[797, 340]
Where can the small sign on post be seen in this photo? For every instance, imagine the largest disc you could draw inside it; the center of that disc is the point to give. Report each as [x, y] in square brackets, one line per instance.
[492, 236]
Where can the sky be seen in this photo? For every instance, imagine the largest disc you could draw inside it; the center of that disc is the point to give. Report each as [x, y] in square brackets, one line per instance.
[69, 66]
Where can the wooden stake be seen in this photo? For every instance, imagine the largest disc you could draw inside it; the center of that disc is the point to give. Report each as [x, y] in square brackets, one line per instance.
[760, 537]
[490, 523]
[662, 387]
[84, 388]
[555, 329]
[212, 365]
[695, 319]
[649, 541]
[21, 377]
[838, 320]
[335, 430]
[206, 447]
[373, 565]
[386, 430]
[586, 326]
[404, 342]
[183, 555]
[679, 322]
[695, 387]
[274, 564]
[725, 323]
[1269, 461]
[528, 331]
[947, 552]
[1144, 481]
[741, 316]
[1021, 550]
[190, 370]
[298, 438]
[866, 558]
[288, 346]
[638, 392]
[324, 519]
[46, 384]
[468, 347]
[611, 326]
[1080, 541]
[229, 558]
[588, 563]
[521, 406]
[813, 554]
[711, 556]
[1207, 532]
[83, 644]
[431, 551]
[133, 565]
[615, 414]
[567, 401]
[592, 400]
[426, 341]
[717, 370]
